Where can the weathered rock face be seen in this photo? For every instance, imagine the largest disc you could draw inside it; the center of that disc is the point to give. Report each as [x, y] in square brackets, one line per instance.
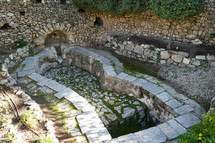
[35, 19]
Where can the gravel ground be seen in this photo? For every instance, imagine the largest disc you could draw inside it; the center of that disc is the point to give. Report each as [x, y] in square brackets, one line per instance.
[196, 83]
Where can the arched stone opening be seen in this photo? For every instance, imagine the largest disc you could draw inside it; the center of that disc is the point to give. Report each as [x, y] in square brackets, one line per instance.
[98, 22]
[6, 26]
[56, 39]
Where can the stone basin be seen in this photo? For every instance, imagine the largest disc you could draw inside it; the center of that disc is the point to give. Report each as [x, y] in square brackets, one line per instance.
[173, 112]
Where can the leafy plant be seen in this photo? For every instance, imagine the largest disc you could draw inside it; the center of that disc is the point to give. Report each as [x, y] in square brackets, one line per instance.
[31, 50]
[21, 43]
[3, 121]
[28, 118]
[45, 139]
[118, 7]
[202, 132]
[175, 10]
[212, 35]
[11, 136]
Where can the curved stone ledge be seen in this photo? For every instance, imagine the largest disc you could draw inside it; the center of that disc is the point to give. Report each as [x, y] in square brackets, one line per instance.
[176, 112]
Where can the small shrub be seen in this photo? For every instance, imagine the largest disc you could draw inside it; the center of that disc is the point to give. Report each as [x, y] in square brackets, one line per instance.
[31, 50]
[45, 139]
[21, 43]
[202, 132]
[11, 136]
[28, 118]
[3, 121]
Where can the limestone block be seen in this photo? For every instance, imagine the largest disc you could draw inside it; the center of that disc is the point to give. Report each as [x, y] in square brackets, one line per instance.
[129, 46]
[196, 63]
[165, 55]
[138, 49]
[129, 138]
[196, 42]
[164, 96]
[201, 57]
[39, 41]
[187, 120]
[177, 58]
[183, 109]
[211, 58]
[128, 112]
[168, 131]
[176, 126]
[153, 134]
[186, 61]
[173, 103]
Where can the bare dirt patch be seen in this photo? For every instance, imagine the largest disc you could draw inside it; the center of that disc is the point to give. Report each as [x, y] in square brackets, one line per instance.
[9, 114]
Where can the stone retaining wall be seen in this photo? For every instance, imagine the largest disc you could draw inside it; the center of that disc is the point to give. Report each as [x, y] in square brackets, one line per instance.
[37, 20]
[150, 53]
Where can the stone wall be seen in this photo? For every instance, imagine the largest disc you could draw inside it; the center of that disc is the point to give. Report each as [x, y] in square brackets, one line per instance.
[150, 53]
[37, 20]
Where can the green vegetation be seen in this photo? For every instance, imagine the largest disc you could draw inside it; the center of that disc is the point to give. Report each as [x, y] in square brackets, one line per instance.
[118, 7]
[175, 10]
[202, 132]
[45, 139]
[21, 43]
[28, 118]
[11, 137]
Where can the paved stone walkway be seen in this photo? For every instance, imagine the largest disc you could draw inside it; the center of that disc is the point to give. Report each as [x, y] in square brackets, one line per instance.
[182, 112]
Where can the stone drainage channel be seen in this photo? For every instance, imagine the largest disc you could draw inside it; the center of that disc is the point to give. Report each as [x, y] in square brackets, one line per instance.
[139, 98]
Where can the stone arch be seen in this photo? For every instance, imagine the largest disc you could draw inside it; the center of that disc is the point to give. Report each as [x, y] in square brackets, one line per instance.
[55, 37]
[65, 30]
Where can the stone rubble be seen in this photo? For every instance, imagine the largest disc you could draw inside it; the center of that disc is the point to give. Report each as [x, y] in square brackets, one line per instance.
[157, 55]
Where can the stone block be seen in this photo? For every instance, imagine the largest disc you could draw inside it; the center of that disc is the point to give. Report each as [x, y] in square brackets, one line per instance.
[187, 120]
[165, 55]
[79, 102]
[176, 126]
[138, 49]
[109, 70]
[105, 61]
[168, 131]
[25, 73]
[196, 63]
[129, 138]
[164, 97]
[186, 61]
[201, 57]
[98, 135]
[128, 112]
[39, 41]
[122, 75]
[66, 92]
[36, 77]
[112, 141]
[55, 86]
[173, 103]
[130, 78]
[177, 58]
[43, 82]
[151, 135]
[183, 109]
